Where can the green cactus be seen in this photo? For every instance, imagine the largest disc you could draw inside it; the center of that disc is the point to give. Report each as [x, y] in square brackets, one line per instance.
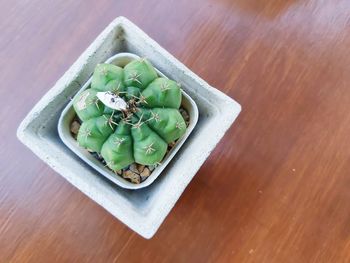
[142, 130]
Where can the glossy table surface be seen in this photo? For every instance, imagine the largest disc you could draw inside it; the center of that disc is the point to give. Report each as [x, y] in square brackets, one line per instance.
[276, 188]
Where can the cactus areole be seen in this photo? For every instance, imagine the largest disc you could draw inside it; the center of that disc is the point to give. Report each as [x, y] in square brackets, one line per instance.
[129, 114]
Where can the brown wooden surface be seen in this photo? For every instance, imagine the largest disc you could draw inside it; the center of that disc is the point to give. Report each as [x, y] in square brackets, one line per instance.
[276, 188]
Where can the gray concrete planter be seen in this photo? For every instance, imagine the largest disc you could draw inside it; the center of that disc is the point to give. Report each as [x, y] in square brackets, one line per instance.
[145, 209]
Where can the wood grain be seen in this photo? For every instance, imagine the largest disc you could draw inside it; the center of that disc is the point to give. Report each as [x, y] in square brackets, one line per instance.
[276, 189]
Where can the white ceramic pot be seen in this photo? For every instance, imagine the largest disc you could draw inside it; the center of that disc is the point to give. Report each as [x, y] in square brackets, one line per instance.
[68, 114]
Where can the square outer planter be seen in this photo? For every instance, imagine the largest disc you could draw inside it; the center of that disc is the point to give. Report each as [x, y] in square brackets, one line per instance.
[142, 210]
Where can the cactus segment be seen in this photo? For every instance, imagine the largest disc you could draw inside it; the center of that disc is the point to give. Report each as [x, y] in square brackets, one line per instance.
[168, 123]
[149, 147]
[108, 77]
[162, 92]
[87, 105]
[139, 73]
[94, 132]
[118, 149]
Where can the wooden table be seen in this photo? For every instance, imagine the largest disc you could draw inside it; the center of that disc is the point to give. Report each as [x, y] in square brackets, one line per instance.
[276, 188]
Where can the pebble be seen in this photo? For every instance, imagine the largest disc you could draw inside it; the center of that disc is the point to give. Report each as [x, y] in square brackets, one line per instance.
[119, 172]
[140, 167]
[126, 173]
[185, 114]
[133, 168]
[134, 177]
[145, 173]
[74, 127]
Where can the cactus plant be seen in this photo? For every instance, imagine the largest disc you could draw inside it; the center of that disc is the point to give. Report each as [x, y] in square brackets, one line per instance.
[129, 114]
